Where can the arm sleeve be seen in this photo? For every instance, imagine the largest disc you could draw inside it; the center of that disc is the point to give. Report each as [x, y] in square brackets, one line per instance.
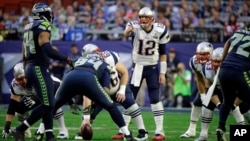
[162, 49]
[52, 53]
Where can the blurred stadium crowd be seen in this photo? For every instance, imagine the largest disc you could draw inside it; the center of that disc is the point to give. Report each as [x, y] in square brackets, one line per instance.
[188, 20]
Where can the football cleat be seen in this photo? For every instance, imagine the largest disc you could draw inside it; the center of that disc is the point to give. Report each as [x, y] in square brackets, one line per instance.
[142, 136]
[19, 136]
[62, 135]
[158, 137]
[201, 138]
[38, 136]
[27, 133]
[118, 136]
[221, 135]
[188, 134]
[129, 137]
[78, 136]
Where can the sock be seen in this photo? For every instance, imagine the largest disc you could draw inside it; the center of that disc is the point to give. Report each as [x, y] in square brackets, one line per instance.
[125, 130]
[135, 113]
[194, 117]
[238, 116]
[158, 112]
[206, 119]
[49, 134]
[41, 128]
[60, 121]
[127, 119]
[24, 126]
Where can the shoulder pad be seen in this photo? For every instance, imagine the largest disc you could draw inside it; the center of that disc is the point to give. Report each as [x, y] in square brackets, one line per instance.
[110, 57]
[159, 27]
[44, 25]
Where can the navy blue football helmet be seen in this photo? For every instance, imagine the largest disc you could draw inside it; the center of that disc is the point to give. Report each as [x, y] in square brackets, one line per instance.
[42, 11]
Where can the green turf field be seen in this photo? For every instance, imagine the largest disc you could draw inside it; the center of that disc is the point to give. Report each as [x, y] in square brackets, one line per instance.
[175, 123]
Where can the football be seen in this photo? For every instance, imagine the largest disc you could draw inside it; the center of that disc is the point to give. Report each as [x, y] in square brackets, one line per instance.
[87, 132]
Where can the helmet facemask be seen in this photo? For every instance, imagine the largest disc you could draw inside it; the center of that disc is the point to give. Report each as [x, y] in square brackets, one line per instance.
[146, 21]
[202, 57]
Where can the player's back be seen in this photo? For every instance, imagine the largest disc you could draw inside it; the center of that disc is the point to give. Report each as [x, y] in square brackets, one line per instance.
[95, 66]
[146, 44]
[238, 56]
[33, 52]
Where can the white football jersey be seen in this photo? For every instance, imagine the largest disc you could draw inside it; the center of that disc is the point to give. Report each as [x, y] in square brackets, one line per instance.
[112, 58]
[209, 73]
[195, 66]
[19, 90]
[146, 44]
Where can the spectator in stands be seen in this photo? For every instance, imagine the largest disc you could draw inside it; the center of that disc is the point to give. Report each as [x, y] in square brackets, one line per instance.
[161, 10]
[201, 31]
[172, 63]
[193, 19]
[25, 14]
[24, 22]
[63, 27]
[119, 27]
[197, 11]
[76, 7]
[187, 31]
[206, 8]
[99, 24]
[12, 26]
[216, 25]
[244, 10]
[231, 26]
[182, 86]
[85, 22]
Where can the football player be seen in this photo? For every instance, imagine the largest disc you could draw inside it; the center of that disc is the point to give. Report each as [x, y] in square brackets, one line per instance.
[203, 52]
[37, 51]
[234, 76]
[91, 77]
[149, 49]
[209, 71]
[23, 100]
[119, 91]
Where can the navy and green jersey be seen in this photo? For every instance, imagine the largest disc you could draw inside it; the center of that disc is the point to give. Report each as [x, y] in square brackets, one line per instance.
[97, 67]
[238, 56]
[32, 51]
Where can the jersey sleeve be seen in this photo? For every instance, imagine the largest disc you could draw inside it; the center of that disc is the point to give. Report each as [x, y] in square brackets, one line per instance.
[164, 37]
[193, 64]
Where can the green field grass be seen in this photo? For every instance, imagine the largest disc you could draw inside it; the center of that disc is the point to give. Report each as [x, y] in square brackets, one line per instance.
[175, 123]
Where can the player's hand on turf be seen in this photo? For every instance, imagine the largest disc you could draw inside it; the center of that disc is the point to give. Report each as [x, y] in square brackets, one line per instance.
[5, 134]
[75, 109]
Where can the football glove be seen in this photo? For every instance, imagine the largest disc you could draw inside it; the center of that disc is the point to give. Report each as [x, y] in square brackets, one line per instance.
[5, 134]
[74, 109]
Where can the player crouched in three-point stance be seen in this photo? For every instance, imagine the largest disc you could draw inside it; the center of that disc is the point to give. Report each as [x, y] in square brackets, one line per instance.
[203, 52]
[209, 70]
[119, 92]
[91, 77]
[23, 100]
[149, 40]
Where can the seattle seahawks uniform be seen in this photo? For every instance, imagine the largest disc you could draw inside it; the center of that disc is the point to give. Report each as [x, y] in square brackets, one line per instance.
[234, 75]
[88, 78]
